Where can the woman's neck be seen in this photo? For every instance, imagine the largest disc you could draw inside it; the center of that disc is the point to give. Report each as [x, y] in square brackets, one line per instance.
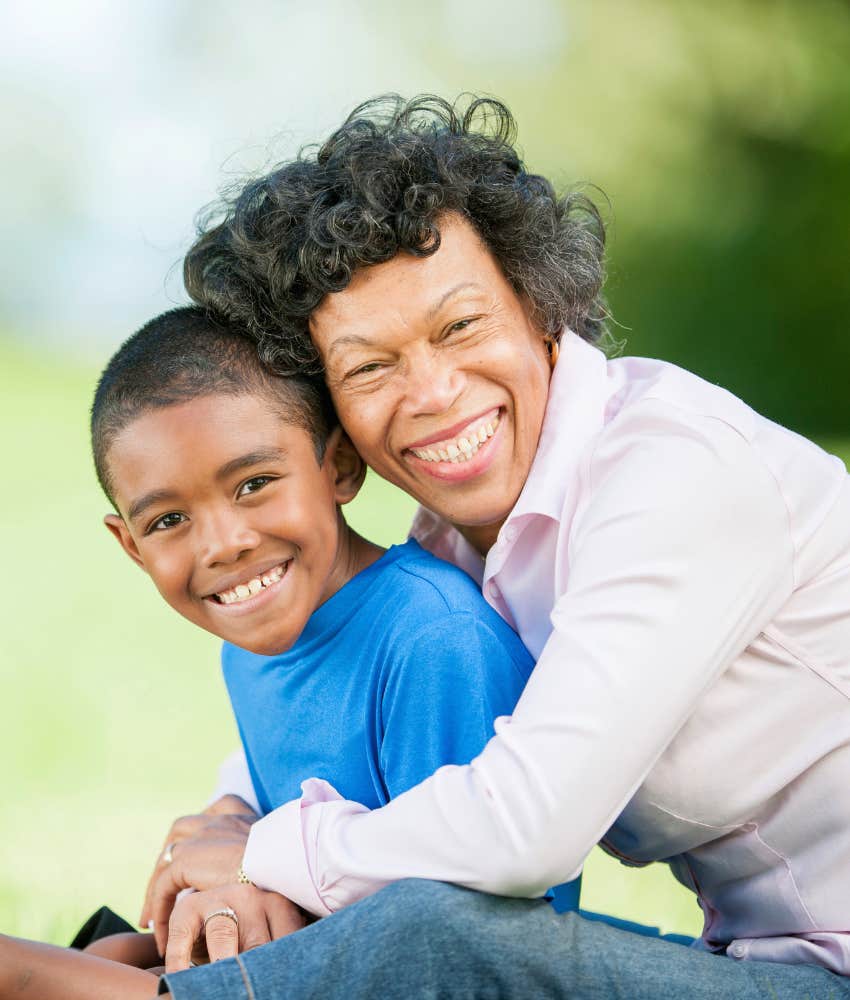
[482, 537]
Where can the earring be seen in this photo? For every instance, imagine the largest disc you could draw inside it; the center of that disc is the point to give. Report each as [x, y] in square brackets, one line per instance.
[553, 347]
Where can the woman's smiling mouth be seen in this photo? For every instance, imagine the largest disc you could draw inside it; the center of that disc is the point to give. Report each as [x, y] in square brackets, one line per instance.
[462, 453]
[461, 447]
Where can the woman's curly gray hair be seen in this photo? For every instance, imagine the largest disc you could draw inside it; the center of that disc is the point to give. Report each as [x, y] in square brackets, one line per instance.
[267, 257]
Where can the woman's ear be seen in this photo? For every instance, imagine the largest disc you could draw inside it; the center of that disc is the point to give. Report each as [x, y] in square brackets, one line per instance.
[119, 530]
[349, 467]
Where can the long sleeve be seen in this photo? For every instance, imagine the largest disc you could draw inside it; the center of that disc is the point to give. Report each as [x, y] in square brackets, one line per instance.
[677, 556]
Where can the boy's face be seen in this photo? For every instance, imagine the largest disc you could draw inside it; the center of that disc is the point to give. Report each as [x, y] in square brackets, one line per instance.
[228, 509]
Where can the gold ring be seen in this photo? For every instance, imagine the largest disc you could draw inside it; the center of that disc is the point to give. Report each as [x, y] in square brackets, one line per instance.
[225, 911]
[167, 854]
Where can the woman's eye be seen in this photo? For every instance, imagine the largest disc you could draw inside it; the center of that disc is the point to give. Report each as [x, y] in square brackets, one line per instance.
[461, 324]
[367, 369]
[170, 520]
[254, 485]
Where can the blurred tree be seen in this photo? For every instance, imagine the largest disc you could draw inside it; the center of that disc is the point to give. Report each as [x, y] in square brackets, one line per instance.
[721, 134]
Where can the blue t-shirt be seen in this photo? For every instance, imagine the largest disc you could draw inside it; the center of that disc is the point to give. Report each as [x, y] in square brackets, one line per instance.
[401, 671]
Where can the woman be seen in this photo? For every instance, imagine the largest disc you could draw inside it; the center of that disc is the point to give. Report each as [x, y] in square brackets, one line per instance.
[678, 565]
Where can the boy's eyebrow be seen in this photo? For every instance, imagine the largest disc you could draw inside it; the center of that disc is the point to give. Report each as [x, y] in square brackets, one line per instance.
[140, 505]
[251, 458]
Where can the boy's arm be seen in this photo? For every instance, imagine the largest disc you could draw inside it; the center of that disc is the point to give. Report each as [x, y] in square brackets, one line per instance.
[234, 778]
[45, 972]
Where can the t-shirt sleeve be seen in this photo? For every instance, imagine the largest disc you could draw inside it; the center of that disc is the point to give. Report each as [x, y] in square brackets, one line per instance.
[445, 687]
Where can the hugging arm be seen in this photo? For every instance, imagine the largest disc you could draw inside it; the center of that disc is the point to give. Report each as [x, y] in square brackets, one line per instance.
[442, 689]
[680, 556]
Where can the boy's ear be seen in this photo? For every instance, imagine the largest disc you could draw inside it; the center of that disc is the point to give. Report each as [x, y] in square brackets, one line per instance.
[118, 529]
[349, 467]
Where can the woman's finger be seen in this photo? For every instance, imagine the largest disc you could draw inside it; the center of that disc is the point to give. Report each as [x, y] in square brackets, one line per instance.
[283, 916]
[222, 931]
[165, 858]
[162, 906]
[229, 805]
[182, 931]
[181, 829]
[195, 830]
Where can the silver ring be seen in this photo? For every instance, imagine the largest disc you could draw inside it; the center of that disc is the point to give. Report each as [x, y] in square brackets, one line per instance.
[167, 854]
[225, 911]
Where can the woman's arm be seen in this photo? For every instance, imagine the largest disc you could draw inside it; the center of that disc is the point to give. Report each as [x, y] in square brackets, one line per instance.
[679, 554]
[45, 972]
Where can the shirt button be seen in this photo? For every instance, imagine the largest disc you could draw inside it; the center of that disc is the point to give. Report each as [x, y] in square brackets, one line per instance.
[493, 591]
[737, 949]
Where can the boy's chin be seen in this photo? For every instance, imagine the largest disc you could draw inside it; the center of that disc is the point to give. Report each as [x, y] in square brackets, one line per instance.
[270, 650]
[271, 646]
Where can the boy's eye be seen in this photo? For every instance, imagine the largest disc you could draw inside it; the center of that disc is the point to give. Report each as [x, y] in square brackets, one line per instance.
[254, 484]
[170, 520]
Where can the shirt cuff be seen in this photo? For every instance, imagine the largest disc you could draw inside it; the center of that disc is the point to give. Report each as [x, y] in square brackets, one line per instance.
[281, 856]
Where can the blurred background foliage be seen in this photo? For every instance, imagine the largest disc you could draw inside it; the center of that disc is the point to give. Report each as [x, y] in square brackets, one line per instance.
[716, 137]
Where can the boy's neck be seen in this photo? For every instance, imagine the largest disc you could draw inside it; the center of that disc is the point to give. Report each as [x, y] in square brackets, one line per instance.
[355, 554]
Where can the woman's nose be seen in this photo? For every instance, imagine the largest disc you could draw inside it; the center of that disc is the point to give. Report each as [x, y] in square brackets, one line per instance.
[226, 537]
[432, 384]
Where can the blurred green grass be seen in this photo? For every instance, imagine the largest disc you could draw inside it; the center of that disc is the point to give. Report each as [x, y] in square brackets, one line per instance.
[114, 716]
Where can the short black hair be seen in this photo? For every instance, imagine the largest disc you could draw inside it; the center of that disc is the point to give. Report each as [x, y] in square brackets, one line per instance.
[188, 353]
[379, 185]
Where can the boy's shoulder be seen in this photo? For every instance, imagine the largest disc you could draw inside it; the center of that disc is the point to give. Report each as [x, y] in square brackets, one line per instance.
[435, 603]
[420, 576]
[441, 627]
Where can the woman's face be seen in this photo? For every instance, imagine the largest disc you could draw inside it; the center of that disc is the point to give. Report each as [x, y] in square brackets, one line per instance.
[440, 378]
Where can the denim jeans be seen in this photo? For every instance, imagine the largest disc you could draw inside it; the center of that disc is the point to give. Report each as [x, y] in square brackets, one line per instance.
[428, 940]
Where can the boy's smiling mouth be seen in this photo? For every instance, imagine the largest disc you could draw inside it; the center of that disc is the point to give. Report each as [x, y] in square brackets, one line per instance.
[251, 586]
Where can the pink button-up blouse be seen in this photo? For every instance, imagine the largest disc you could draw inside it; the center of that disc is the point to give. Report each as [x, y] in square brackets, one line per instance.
[679, 566]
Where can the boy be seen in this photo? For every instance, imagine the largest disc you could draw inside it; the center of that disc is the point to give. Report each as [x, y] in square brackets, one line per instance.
[367, 667]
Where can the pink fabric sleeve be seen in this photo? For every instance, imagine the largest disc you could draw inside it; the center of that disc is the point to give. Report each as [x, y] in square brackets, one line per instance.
[679, 554]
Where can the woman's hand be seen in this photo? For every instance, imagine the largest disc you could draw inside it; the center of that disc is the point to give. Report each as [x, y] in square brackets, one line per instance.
[260, 917]
[210, 846]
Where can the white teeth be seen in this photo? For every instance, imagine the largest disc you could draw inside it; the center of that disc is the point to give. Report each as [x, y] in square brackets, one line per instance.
[462, 448]
[243, 591]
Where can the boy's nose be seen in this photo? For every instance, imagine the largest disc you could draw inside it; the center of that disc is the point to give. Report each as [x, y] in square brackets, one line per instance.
[226, 538]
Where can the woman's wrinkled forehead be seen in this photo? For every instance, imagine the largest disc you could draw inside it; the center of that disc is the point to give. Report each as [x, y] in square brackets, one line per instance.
[407, 294]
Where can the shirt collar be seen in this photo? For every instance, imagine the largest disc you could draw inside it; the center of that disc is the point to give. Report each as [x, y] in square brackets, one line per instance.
[575, 409]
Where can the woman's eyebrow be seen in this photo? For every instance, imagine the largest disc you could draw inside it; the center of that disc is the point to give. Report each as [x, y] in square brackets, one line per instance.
[357, 339]
[347, 341]
[444, 298]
